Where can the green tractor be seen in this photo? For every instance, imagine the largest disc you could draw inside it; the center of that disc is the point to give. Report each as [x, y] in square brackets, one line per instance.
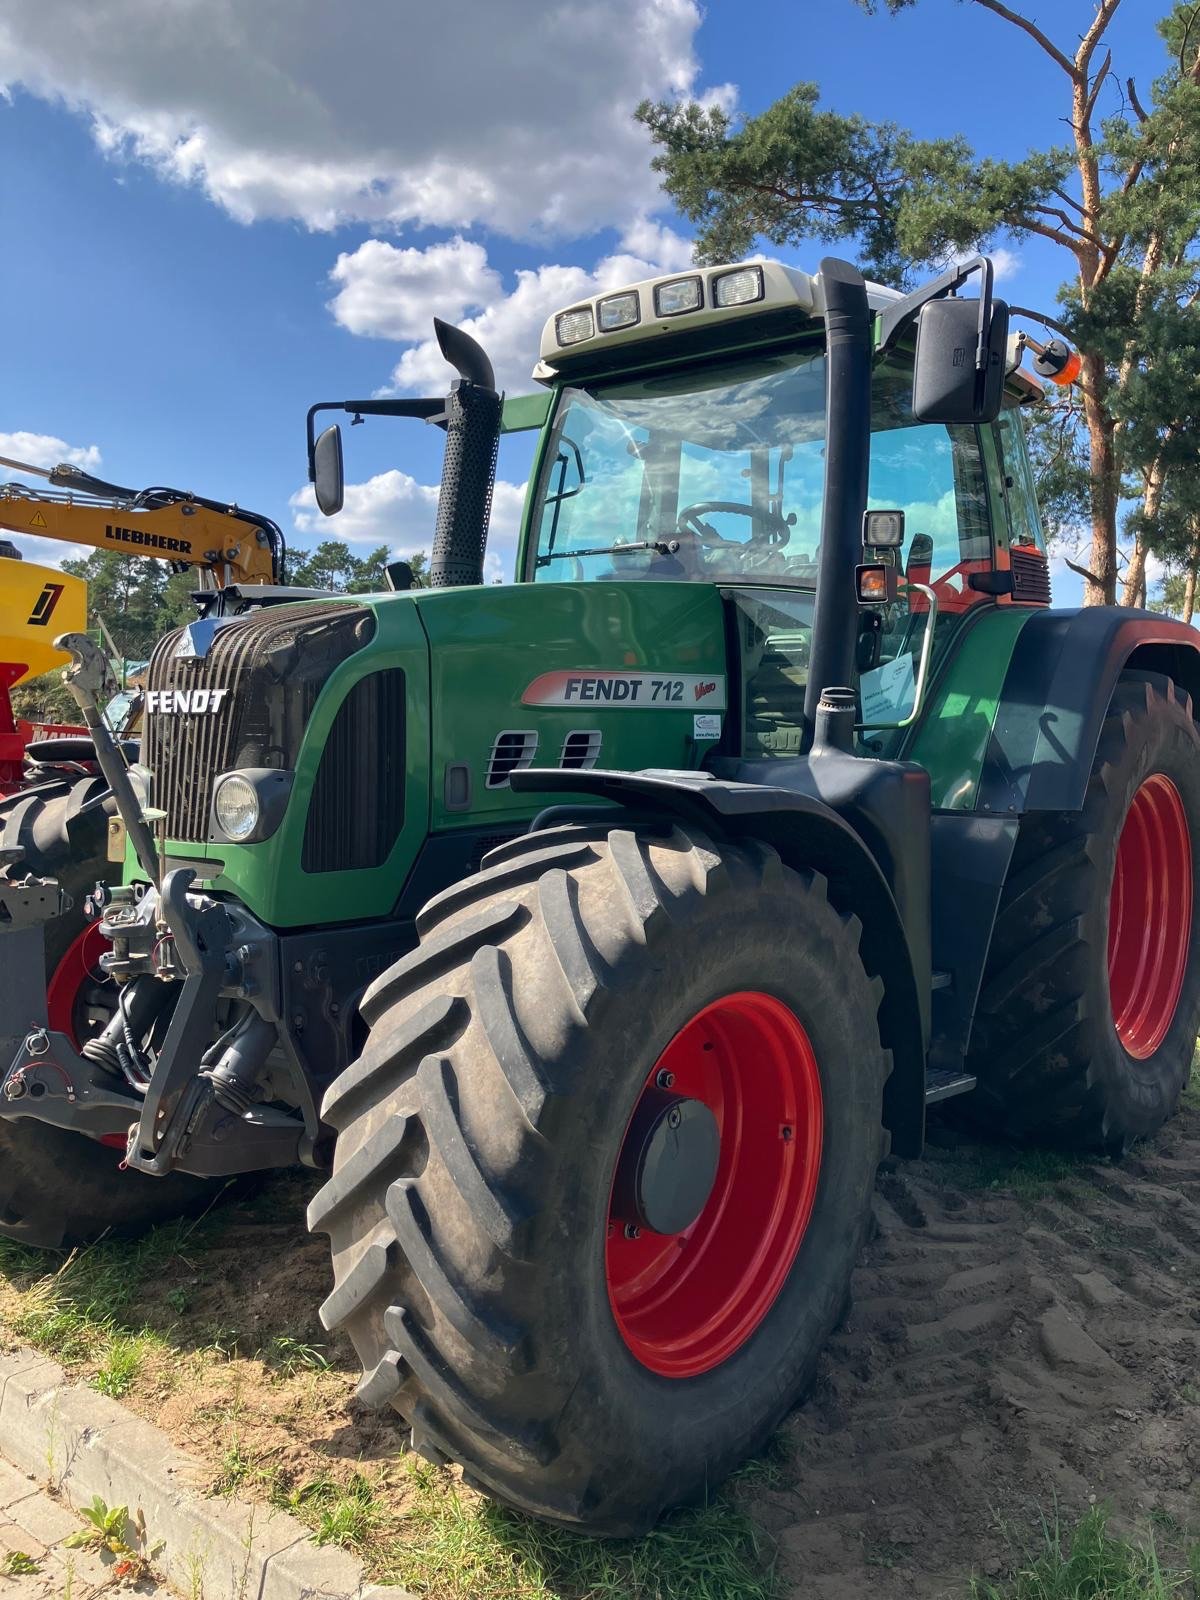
[597, 934]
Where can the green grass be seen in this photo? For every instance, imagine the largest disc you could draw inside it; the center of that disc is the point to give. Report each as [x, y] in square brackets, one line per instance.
[1092, 1562]
[17, 1564]
[1030, 1174]
[451, 1544]
[460, 1548]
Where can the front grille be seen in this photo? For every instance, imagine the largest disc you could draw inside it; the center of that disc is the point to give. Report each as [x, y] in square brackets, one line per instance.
[272, 665]
[357, 806]
[1030, 575]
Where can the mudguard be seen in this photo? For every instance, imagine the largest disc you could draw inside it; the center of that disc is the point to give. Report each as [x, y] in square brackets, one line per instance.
[1063, 671]
[808, 834]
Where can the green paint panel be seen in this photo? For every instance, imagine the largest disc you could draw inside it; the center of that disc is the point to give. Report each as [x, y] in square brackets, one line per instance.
[489, 647]
[523, 412]
[952, 738]
[268, 878]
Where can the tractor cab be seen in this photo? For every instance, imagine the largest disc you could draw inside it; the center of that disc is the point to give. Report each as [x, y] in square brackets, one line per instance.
[687, 443]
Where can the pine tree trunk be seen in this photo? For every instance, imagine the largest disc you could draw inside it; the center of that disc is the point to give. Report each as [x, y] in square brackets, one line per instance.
[1100, 588]
[1135, 576]
[1135, 573]
[1189, 587]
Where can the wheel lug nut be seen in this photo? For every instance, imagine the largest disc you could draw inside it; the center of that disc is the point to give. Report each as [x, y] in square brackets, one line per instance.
[673, 1117]
[632, 1231]
[665, 1079]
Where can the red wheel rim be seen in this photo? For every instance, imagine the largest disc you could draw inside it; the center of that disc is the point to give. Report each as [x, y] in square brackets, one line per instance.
[685, 1302]
[80, 963]
[1149, 916]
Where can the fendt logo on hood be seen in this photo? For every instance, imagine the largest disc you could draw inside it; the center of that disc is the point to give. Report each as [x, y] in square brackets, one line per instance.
[188, 702]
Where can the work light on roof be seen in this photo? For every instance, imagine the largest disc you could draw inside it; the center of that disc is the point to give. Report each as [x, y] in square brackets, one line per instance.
[680, 295]
[738, 288]
[618, 311]
[572, 326]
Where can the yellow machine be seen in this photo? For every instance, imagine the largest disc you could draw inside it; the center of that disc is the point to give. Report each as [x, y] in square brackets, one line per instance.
[36, 605]
[226, 544]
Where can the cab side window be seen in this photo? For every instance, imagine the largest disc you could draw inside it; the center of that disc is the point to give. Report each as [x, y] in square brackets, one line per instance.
[1020, 494]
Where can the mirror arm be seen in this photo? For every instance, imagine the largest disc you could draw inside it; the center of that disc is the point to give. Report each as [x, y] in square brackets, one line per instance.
[922, 667]
[896, 317]
[427, 410]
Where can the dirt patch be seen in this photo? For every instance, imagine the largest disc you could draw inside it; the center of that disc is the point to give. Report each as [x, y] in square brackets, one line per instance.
[1009, 1350]
[1025, 1335]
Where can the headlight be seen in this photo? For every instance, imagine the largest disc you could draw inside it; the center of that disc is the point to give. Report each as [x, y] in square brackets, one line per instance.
[738, 288]
[236, 807]
[248, 805]
[680, 295]
[618, 311]
[572, 326]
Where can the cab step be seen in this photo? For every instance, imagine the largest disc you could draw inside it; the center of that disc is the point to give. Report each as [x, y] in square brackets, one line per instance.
[941, 1084]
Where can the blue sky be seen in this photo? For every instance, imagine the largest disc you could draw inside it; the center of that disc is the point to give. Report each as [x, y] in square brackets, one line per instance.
[180, 183]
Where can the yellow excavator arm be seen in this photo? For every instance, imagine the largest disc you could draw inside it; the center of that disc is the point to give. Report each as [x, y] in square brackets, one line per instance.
[226, 543]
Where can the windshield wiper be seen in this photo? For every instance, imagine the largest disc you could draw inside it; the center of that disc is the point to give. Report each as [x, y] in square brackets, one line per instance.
[663, 547]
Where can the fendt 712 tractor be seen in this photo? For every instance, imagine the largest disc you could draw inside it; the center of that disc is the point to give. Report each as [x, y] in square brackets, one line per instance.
[596, 934]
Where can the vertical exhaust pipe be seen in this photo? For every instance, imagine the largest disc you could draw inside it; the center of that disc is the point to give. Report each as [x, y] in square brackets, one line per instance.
[847, 456]
[469, 465]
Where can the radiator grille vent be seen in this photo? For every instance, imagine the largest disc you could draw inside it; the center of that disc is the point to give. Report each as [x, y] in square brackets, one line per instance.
[513, 751]
[1030, 575]
[272, 666]
[581, 748]
[357, 806]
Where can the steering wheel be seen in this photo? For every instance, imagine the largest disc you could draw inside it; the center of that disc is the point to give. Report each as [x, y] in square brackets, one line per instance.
[691, 521]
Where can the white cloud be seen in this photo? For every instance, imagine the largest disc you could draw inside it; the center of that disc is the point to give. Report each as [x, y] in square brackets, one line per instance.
[390, 293]
[392, 508]
[377, 280]
[1005, 263]
[46, 450]
[501, 112]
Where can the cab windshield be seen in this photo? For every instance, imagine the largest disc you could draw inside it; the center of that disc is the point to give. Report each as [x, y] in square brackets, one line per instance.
[718, 474]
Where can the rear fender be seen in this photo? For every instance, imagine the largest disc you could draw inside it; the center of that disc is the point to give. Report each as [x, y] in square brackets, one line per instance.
[808, 836]
[1056, 693]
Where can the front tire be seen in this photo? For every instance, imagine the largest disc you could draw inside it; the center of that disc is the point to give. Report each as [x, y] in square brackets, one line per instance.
[478, 1209]
[1088, 1014]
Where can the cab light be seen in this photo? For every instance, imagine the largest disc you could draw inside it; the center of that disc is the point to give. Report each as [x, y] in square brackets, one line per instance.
[740, 288]
[877, 584]
[680, 295]
[572, 326]
[618, 311]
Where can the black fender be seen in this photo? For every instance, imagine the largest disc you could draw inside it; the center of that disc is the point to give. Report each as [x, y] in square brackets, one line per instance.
[1056, 693]
[808, 835]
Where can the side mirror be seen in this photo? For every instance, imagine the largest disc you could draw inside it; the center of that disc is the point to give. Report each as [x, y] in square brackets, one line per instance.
[948, 386]
[328, 475]
[400, 576]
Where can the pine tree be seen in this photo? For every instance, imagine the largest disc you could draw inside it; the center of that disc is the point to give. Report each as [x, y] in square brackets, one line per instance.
[1121, 200]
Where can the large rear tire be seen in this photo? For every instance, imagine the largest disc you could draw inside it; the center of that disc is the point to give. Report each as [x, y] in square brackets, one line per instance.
[582, 1365]
[59, 1188]
[1088, 1014]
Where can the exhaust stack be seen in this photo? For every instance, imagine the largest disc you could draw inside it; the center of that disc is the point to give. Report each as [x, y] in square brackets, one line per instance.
[469, 465]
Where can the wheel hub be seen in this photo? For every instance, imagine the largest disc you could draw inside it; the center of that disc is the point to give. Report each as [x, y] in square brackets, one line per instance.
[714, 1184]
[668, 1163]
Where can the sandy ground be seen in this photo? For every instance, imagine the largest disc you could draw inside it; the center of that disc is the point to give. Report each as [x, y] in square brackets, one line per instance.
[1004, 1355]
[1022, 1336]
